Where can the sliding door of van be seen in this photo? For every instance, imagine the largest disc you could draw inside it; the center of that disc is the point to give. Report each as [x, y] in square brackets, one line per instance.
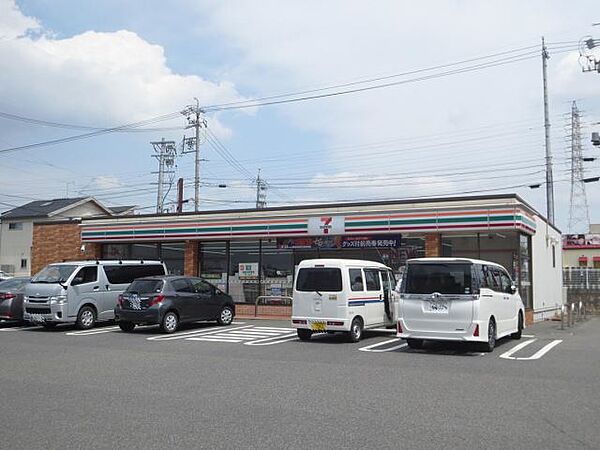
[373, 299]
[438, 296]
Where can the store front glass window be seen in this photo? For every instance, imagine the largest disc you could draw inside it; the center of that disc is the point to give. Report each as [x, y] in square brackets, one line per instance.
[145, 251]
[244, 271]
[501, 248]
[116, 251]
[172, 254]
[524, 270]
[277, 269]
[214, 263]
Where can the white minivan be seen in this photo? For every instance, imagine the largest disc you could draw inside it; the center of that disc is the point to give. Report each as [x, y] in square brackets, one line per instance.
[82, 292]
[342, 295]
[458, 299]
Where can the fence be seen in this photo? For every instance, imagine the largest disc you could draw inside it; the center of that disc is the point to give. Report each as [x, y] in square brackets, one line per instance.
[583, 285]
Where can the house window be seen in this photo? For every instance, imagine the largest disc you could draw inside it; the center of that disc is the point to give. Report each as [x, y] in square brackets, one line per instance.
[24, 263]
[15, 226]
[583, 261]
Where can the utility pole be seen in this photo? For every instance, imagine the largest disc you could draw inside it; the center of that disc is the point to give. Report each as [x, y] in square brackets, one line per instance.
[549, 178]
[261, 192]
[164, 152]
[180, 196]
[193, 116]
[579, 214]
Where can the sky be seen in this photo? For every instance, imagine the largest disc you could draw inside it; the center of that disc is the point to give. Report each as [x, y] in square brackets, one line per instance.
[454, 104]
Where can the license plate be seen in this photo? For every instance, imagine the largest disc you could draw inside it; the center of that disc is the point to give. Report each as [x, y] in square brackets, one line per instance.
[37, 318]
[437, 305]
[318, 326]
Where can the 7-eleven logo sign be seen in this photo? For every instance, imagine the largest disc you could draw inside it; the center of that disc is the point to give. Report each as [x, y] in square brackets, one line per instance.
[326, 225]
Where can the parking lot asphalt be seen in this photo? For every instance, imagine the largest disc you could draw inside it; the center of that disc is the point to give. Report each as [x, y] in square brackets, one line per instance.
[254, 385]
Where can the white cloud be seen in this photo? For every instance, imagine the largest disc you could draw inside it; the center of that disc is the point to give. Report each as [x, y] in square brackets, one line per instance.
[94, 78]
[106, 182]
[13, 23]
[289, 46]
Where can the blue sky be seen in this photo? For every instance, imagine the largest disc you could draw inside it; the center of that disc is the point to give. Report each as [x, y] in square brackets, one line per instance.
[108, 63]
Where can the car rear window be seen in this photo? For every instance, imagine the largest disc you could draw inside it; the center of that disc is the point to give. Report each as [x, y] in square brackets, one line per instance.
[438, 277]
[319, 279]
[126, 273]
[145, 286]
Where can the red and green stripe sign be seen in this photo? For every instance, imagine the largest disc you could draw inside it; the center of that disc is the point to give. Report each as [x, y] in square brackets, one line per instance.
[436, 221]
[479, 220]
[203, 230]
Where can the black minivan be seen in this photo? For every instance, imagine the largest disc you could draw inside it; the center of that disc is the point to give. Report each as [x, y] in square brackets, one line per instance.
[171, 300]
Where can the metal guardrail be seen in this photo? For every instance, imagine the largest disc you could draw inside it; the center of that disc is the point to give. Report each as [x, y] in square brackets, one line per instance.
[284, 300]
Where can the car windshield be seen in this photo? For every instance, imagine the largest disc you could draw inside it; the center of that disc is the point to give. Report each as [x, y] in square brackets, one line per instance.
[319, 279]
[438, 277]
[55, 273]
[145, 286]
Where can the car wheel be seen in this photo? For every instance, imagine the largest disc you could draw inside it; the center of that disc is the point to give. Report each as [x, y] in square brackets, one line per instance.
[356, 330]
[519, 332]
[127, 326]
[86, 318]
[415, 343]
[170, 322]
[491, 342]
[49, 325]
[225, 316]
[304, 334]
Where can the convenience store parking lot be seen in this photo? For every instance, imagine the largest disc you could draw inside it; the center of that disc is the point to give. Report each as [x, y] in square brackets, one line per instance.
[254, 385]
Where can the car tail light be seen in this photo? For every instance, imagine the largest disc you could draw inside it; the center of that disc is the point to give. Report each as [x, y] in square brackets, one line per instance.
[156, 300]
[335, 324]
[476, 332]
[299, 321]
[120, 299]
[7, 296]
[398, 327]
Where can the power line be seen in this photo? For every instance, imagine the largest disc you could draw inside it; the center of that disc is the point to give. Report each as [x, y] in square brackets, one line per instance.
[503, 61]
[382, 78]
[92, 134]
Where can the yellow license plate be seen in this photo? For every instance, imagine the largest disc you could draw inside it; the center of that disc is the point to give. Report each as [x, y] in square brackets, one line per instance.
[318, 326]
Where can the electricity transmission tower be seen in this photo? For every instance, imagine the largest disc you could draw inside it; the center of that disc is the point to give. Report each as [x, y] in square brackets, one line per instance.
[579, 215]
[193, 115]
[261, 192]
[164, 152]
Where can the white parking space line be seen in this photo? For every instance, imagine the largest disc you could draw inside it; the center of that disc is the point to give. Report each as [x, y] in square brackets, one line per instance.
[274, 340]
[251, 332]
[92, 331]
[383, 330]
[537, 355]
[528, 335]
[188, 334]
[370, 348]
[249, 335]
[215, 339]
[274, 329]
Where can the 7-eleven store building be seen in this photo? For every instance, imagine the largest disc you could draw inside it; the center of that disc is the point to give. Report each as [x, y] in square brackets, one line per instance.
[252, 253]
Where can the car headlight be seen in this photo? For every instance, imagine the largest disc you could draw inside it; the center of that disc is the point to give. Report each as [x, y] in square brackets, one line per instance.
[59, 299]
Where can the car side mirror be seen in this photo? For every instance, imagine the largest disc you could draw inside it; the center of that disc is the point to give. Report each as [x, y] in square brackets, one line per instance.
[513, 289]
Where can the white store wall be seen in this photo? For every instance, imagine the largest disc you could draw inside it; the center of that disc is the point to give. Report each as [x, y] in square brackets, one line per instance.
[547, 274]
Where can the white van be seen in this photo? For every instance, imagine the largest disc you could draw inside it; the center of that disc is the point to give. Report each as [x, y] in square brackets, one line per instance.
[342, 295]
[82, 292]
[458, 299]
